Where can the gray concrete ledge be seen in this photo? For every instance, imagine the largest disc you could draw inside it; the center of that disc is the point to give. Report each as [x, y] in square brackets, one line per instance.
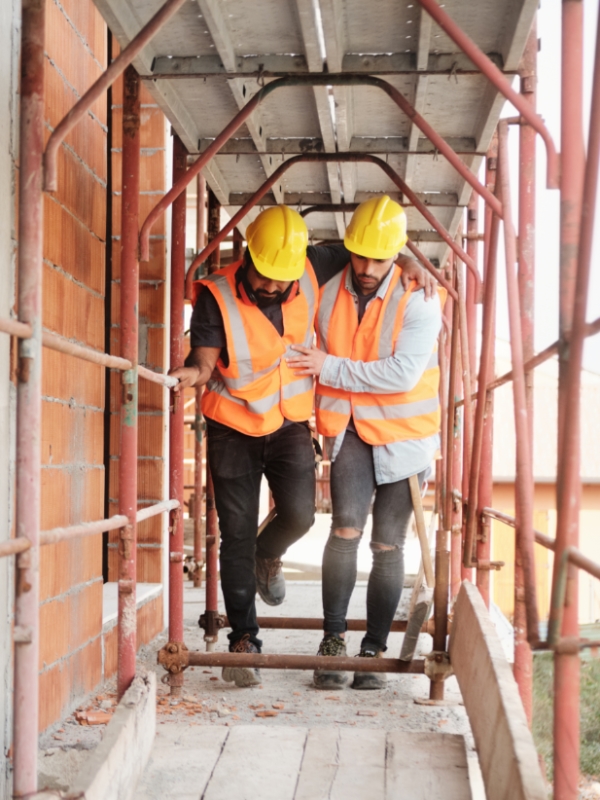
[113, 769]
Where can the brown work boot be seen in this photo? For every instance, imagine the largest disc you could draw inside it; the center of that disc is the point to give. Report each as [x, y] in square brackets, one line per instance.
[270, 583]
[242, 676]
[369, 680]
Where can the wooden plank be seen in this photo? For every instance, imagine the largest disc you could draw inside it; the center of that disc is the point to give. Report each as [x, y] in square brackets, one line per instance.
[171, 772]
[507, 754]
[423, 766]
[258, 763]
[343, 764]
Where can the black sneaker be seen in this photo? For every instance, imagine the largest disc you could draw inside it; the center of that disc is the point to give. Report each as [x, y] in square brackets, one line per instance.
[331, 645]
[270, 583]
[242, 676]
[369, 680]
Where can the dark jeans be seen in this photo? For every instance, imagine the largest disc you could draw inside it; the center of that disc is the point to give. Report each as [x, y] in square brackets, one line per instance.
[237, 463]
[352, 487]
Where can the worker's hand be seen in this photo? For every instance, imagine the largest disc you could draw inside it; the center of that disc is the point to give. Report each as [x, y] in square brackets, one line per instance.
[310, 362]
[188, 376]
[411, 271]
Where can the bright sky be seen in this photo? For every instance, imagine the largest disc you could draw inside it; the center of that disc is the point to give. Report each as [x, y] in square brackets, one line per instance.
[547, 228]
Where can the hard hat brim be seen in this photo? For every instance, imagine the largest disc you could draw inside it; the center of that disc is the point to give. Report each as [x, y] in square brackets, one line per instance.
[370, 252]
[288, 273]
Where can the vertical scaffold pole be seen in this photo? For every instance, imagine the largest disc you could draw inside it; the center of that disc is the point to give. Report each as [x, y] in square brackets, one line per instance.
[176, 431]
[566, 665]
[523, 664]
[212, 525]
[130, 187]
[198, 551]
[29, 388]
[471, 310]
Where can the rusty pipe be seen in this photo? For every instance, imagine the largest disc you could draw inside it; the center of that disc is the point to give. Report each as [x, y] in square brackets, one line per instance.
[495, 76]
[276, 661]
[437, 273]
[108, 77]
[325, 158]
[29, 393]
[312, 80]
[524, 463]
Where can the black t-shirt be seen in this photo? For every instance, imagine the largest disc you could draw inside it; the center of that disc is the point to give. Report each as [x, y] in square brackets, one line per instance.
[206, 328]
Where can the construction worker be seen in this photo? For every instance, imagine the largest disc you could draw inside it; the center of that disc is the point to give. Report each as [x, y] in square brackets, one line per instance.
[377, 404]
[244, 322]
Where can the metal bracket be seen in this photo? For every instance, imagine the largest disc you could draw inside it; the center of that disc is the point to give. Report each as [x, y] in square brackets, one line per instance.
[174, 657]
[484, 564]
[211, 622]
[438, 666]
[22, 634]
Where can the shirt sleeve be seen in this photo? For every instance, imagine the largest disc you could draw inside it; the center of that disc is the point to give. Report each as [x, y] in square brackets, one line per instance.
[401, 371]
[327, 260]
[206, 327]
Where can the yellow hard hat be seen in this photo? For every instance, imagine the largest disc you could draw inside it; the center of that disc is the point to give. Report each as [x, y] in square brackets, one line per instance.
[277, 241]
[377, 228]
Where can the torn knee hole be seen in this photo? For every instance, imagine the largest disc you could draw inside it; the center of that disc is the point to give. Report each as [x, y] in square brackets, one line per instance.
[383, 548]
[346, 533]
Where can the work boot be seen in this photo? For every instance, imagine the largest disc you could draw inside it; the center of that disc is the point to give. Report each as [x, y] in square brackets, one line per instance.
[369, 680]
[331, 645]
[270, 583]
[242, 676]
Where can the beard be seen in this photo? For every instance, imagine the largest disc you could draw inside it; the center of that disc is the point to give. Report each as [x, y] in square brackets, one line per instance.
[263, 299]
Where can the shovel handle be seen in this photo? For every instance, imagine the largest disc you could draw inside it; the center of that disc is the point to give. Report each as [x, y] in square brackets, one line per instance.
[415, 493]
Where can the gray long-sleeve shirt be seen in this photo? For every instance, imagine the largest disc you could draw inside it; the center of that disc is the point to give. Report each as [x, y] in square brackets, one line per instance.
[400, 372]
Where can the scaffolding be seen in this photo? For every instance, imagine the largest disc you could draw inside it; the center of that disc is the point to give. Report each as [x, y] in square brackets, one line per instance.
[464, 477]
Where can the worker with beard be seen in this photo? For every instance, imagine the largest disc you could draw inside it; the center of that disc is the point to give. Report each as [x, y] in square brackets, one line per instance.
[246, 318]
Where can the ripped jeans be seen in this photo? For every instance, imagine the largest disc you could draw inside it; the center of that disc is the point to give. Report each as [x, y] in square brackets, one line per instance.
[352, 487]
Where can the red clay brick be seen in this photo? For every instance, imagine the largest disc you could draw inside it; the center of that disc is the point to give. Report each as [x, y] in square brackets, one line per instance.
[72, 311]
[147, 203]
[152, 171]
[150, 395]
[71, 246]
[55, 687]
[155, 269]
[55, 622]
[88, 138]
[64, 48]
[90, 26]
[150, 436]
[152, 302]
[110, 645]
[81, 193]
[152, 128]
[68, 378]
[85, 615]
[86, 669]
[149, 565]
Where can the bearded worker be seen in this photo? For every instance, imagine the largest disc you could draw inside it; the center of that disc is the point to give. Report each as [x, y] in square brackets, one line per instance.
[377, 404]
[246, 318]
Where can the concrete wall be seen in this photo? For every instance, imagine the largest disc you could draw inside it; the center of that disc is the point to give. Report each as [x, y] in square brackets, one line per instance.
[9, 46]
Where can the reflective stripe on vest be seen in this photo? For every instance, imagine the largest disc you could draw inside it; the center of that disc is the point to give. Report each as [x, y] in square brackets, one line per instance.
[257, 389]
[379, 418]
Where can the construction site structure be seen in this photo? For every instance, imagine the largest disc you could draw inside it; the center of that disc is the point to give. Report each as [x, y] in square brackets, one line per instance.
[318, 104]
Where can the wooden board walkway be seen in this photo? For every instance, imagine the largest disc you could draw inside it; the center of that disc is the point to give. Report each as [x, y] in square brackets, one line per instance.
[262, 762]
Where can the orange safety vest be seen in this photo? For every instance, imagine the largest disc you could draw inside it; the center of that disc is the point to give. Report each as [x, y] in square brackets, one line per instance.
[379, 418]
[257, 390]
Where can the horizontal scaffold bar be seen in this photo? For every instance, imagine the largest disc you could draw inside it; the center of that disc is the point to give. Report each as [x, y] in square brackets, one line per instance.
[277, 661]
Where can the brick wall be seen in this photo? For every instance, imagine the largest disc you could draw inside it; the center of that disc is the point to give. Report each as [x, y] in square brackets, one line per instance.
[73, 391]
[152, 312]
[73, 656]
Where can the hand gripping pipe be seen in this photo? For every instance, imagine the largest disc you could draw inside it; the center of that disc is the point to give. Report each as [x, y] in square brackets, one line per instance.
[312, 80]
[495, 76]
[524, 465]
[345, 158]
[116, 68]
